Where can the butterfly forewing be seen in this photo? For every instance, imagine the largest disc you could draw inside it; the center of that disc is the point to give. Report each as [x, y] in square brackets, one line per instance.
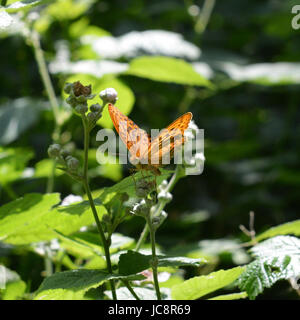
[164, 145]
[136, 139]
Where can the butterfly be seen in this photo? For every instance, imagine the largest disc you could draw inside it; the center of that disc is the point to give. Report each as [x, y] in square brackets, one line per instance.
[146, 153]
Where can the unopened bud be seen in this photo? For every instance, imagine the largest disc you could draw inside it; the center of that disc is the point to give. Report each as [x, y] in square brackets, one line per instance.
[54, 150]
[95, 107]
[72, 163]
[109, 95]
[81, 108]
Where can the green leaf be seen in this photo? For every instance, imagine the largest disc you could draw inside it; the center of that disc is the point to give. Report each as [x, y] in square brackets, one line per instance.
[231, 296]
[143, 293]
[44, 168]
[12, 163]
[127, 185]
[14, 290]
[276, 258]
[13, 287]
[98, 167]
[166, 69]
[197, 287]
[125, 95]
[19, 215]
[134, 262]
[30, 219]
[15, 6]
[292, 227]
[73, 284]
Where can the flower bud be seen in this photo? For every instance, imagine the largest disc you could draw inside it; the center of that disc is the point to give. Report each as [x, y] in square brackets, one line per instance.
[165, 196]
[141, 208]
[109, 95]
[95, 107]
[68, 87]
[64, 153]
[54, 150]
[81, 108]
[143, 187]
[72, 163]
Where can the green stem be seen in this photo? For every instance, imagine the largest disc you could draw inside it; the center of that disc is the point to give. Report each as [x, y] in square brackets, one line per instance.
[39, 56]
[159, 209]
[92, 204]
[43, 70]
[154, 258]
[9, 190]
[126, 283]
[142, 238]
[204, 16]
[48, 261]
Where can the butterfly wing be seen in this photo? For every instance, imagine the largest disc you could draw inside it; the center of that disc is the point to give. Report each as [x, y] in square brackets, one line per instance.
[168, 140]
[135, 139]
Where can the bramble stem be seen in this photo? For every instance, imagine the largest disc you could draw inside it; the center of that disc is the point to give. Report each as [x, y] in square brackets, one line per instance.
[159, 209]
[92, 204]
[154, 258]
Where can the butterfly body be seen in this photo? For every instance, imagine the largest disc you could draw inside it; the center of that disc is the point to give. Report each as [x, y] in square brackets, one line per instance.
[146, 153]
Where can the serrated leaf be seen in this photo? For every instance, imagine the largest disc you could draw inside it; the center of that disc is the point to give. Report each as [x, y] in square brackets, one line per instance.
[292, 227]
[166, 69]
[134, 262]
[197, 287]
[73, 284]
[276, 258]
[125, 95]
[32, 219]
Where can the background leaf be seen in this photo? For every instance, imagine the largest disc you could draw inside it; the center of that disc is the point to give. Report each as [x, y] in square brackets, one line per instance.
[166, 69]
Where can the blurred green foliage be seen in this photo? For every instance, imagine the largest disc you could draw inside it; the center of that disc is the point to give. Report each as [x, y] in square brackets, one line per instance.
[239, 77]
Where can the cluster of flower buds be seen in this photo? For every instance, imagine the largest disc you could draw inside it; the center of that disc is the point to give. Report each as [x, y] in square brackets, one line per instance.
[157, 220]
[144, 187]
[142, 208]
[163, 194]
[63, 156]
[78, 96]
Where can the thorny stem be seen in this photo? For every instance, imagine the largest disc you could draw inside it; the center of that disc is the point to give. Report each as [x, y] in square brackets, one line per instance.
[93, 207]
[159, 209]
[154, 258]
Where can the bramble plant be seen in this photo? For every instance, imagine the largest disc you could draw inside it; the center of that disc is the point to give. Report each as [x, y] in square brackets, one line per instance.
[72, 227]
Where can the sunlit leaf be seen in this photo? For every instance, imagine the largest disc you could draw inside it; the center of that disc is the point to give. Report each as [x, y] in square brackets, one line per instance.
[166, 69]
[73, 284]
[197, 287]
[292, 227]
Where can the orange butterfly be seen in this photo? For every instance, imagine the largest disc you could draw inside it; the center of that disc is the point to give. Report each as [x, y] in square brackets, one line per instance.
[147, 153]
